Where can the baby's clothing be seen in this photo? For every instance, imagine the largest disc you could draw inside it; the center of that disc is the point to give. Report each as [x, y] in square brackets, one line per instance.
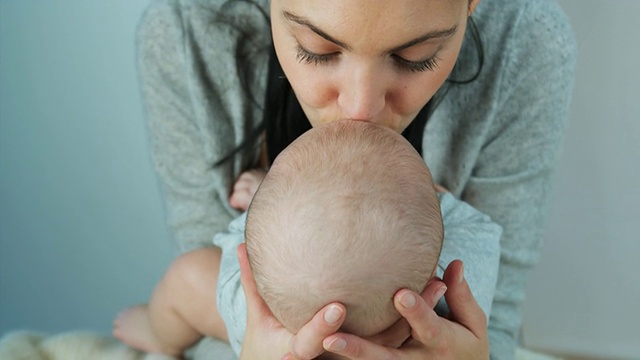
[469, 236]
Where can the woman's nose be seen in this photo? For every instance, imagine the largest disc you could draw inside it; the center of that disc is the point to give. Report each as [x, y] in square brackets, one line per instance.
[362, 95]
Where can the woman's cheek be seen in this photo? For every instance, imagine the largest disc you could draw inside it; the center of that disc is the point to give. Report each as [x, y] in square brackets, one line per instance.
[314, 91]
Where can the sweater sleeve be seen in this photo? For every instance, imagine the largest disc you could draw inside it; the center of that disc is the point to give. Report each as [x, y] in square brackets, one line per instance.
[473, 238]
[197, 109]
[512, 178]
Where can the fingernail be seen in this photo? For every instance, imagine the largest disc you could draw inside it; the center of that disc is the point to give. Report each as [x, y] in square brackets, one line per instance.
[337, 344]
[408, 300]
[332, 315]
[461, 275]
[438, 294]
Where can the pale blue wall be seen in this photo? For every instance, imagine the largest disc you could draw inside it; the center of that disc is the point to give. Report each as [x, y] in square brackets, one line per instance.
[584, 296]
[82, 232]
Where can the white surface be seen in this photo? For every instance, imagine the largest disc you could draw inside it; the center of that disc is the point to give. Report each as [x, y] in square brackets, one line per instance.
[584, 296]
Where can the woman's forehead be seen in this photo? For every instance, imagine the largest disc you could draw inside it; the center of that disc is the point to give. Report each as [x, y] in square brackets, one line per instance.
[373, 10]
[360, 19]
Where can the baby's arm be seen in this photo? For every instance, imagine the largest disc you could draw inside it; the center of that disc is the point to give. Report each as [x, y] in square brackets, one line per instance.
[245, 187]
[474, 238]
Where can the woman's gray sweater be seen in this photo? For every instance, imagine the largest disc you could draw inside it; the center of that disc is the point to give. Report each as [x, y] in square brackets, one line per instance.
[493, 142]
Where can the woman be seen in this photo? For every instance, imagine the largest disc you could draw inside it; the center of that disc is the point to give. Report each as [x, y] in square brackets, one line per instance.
[484, 101]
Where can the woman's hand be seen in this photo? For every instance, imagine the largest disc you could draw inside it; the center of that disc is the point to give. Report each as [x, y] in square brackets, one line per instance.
[462, 335]
[266, 338]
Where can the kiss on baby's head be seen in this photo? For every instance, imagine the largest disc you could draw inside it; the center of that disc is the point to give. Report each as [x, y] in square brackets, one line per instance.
[347, 213]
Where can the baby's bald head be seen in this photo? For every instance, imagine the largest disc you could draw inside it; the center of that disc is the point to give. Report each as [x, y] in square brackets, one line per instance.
[347, 213]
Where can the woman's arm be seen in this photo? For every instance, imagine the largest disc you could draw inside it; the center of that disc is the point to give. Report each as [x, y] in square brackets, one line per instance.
[198, 108]
[512, 178]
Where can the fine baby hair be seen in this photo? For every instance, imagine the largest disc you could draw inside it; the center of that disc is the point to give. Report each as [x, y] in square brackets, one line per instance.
[346, 213]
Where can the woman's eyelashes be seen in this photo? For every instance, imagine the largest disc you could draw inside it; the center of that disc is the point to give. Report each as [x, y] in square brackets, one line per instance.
[307, 57]
[417, 66]
[310, 58]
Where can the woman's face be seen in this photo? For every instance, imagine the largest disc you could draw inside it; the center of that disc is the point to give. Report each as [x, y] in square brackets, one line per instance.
[367, 60]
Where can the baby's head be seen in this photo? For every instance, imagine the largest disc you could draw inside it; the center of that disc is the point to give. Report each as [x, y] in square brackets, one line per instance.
[347, 213]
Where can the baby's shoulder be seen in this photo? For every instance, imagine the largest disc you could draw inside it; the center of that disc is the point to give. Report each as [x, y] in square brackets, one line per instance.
[457, 214]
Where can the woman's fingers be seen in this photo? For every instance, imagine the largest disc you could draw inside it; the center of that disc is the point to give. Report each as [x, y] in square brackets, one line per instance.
[307, 343]
[399, 332]
[355, 348]
[433, 292]
[432, 337]
[426, 325]
[394, 336]
[463, 306]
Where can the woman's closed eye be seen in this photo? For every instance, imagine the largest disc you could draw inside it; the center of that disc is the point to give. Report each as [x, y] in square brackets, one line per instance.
[429, 64]
[308, 57]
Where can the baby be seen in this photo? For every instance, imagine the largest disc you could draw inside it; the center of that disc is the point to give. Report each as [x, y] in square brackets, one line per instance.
[346, 213]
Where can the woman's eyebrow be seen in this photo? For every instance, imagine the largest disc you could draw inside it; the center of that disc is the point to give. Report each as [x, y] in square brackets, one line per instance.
[302, 21]
[434, 34]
